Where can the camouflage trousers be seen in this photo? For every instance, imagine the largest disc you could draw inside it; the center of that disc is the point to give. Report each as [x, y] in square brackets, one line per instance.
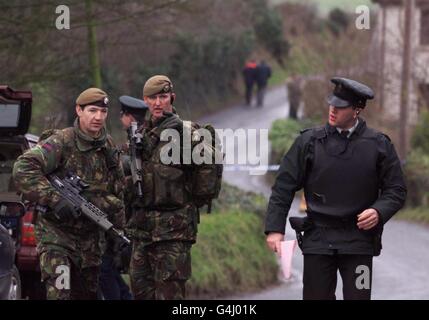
[159, 270]
[64, 280]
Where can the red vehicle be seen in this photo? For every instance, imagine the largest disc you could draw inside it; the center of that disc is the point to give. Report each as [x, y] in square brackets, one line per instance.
[15, 116]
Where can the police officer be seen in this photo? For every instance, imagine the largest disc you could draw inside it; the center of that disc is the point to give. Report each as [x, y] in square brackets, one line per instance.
[353, 185]
[132, 110]
[163, 229]
[116, 259]
[71, 246]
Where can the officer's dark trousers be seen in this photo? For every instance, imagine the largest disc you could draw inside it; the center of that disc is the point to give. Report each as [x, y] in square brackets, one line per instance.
[320, 276]
[249, 91]
[112, 286]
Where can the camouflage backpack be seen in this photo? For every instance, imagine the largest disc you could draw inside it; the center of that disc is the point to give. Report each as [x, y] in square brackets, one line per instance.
[207, 177]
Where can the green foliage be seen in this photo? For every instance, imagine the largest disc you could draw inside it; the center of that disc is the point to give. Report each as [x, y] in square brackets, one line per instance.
[268, 28]
[282, 134]
[417, 164]
[230, 255]
[417, 176]
[420, 137]
[206, 69]
[338, 21]
[234, 199]
[219, 57]
[419, 215]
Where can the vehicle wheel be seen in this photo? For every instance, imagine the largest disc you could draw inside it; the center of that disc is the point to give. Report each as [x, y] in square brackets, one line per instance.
[15, 285]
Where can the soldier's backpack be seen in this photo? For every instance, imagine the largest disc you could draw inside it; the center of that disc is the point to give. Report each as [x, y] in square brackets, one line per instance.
[207, 177]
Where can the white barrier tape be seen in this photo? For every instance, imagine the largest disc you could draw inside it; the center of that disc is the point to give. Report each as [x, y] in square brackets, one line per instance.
[274, 167]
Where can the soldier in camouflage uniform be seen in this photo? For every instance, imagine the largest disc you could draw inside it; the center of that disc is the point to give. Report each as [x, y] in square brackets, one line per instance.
[164, 227]
[71, 246]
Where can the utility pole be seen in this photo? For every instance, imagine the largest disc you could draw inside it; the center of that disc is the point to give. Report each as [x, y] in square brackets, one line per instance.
[405, 79]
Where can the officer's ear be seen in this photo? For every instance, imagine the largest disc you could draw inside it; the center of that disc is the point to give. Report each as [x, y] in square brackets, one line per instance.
[358, 110]
[172, 97]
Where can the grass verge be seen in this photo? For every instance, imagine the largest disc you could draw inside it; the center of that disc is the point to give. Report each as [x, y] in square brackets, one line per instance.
[418, 214]
[230, 256]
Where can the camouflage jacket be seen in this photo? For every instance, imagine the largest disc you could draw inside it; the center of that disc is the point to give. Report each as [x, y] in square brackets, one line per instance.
[96, 161]
[166, 211]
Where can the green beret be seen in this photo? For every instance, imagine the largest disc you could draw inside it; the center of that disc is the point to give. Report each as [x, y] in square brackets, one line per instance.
[157, 84]
[93, 96]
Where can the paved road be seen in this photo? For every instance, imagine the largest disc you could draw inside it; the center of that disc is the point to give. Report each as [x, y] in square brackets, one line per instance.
[401, 272]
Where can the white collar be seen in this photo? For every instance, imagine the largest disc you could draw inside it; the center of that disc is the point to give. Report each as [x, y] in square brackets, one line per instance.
[351, 130]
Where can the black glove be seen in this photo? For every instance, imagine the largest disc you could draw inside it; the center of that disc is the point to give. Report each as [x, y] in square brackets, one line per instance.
[121, 254]
[172, 121]
[64, 211]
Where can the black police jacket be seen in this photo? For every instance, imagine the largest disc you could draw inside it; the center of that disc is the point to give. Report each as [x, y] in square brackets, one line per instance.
[341, 178]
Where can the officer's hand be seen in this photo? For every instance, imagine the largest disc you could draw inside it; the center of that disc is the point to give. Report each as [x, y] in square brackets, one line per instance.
[273, 242]
[64, 211]
[172, 121]
[368, 219]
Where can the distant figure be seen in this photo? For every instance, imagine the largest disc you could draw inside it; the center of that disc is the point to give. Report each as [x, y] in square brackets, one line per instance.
[263, 73]
[294, 90]
[249, 75]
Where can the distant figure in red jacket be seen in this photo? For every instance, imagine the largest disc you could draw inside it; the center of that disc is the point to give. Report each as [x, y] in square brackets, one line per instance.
[249, 75]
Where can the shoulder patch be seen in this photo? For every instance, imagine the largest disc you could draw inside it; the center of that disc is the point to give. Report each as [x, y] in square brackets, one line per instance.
[48, 133]
[47, 147]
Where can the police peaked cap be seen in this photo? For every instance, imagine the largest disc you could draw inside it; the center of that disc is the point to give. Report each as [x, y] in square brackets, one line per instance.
[349, 93]
[132, 105]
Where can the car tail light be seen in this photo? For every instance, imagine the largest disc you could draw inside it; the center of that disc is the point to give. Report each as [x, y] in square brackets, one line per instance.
[11, 209]
[28, 237]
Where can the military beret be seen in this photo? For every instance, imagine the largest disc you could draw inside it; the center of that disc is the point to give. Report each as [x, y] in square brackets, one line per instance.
[349, 93]
[157, 84]
[132, 105]
[94, 97]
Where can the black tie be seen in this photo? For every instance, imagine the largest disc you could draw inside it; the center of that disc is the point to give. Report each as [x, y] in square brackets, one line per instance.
[345, 134]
